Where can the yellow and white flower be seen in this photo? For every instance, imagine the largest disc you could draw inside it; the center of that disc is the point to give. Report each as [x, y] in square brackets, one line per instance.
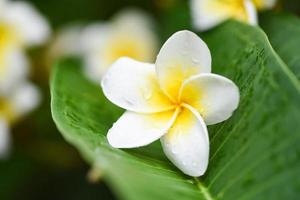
[23, 98]
[129, 34]
[209, 13]
[20, 27]
[172, 100]
[65, 43]
[21, 24]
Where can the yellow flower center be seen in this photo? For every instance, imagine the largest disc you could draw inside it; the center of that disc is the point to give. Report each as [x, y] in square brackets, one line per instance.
[259, 4]
[6, 110]
[125, 47]
[8, 39]
[233, 8]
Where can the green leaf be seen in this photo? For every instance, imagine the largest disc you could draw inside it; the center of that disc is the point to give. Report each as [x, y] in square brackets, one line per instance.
[254, 155]
[283, 31]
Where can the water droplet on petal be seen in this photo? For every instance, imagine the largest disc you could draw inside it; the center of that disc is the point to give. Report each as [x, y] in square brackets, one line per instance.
[105, 79]
[147, 93]
[194, 164]
[129, 101]
[174, 151]
[184, 53]
[195, 61]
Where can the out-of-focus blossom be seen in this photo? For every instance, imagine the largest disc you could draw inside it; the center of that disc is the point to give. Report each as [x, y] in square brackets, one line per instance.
[21, 26]
[130, 34]
[209, 13]
[13, 106]
[66, 43]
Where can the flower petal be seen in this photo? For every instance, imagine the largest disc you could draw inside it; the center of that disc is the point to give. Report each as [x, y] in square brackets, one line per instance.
[184, 54]
[129, 34]
[214, 96]
[207, 13]
[65, 42]
[13, 69]
[4, 139]
[32, 27]
[25, 98]
[92, 41]
[264, 4]
[133, 86]
[135, 130]
[186, 144]
[251, 12]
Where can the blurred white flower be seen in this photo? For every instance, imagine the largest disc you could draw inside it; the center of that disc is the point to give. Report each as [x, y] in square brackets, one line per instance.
[66, 43]
[13, 107]
[21, 26]
[172, 100]
[13, 68]
[130, 34]
[208, 13]
[20, 100]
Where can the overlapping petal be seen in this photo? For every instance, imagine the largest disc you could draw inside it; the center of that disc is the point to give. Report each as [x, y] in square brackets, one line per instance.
[184, 54]
[133, 86]
[186, 144]
[214, 96]
[135, 130]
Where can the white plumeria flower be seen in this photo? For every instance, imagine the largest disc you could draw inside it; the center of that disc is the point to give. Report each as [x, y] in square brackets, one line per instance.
[209, 13]
[13, 106]
[173, 99]
[20, 26]
[18, 102]
[65, 42]
[129, 34]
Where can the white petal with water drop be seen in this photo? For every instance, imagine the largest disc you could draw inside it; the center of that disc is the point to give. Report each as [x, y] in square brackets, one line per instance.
[132, 85]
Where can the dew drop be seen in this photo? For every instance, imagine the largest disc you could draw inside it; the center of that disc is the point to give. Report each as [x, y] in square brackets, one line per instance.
[194, 164]
[147, 93]
[105, 79]
[174, 151]
[184, 52]
[129, 101]
[195, 61]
